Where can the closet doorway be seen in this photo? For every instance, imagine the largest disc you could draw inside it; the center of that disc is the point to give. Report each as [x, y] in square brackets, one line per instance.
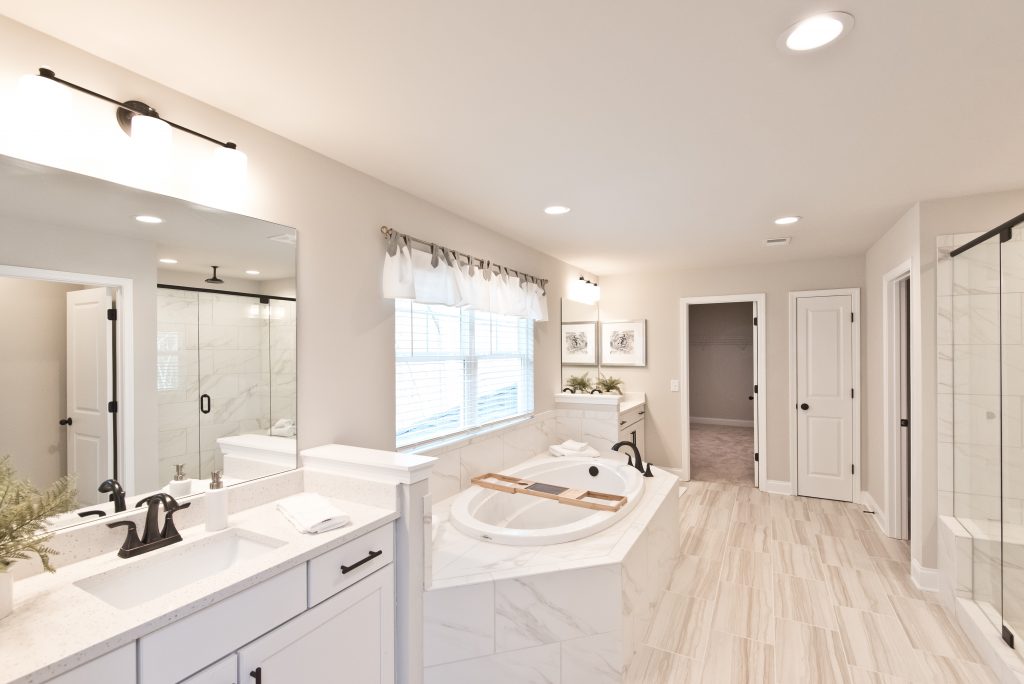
[723, 383]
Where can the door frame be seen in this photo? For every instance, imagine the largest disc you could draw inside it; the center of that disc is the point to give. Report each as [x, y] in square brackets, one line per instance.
[760, 346]
[894, 518]
[125, 346]
[854, 293]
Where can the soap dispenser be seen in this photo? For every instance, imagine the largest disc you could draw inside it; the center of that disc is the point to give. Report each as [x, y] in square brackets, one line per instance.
[216, 503]
[180, 486]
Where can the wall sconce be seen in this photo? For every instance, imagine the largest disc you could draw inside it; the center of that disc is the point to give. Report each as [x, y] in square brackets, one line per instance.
[150, 132]
[584, 291]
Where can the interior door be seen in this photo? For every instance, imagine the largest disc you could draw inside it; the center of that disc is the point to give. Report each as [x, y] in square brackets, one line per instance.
[90, 458]
[824, 380]
[757, 400]
[904, 360]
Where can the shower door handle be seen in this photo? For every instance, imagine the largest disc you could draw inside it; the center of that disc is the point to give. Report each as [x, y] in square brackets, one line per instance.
[204, 403]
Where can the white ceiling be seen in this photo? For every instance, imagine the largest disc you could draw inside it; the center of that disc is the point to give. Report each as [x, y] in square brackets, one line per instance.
[675, 129]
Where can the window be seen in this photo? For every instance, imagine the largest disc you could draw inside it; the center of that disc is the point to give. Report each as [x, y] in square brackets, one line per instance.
[457, 369]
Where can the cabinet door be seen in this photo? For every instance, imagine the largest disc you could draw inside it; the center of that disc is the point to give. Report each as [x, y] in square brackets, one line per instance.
[347, 638]
[116, 667]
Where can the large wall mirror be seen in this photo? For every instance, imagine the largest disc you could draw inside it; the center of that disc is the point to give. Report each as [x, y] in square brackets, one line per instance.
[143, 336]
[580, 330]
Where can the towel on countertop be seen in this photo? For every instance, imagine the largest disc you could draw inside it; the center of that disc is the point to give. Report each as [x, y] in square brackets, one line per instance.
[312, 513]
[560, 450]
[570, 445]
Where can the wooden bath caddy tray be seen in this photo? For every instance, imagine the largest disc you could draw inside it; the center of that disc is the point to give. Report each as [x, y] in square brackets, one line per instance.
[563, 495]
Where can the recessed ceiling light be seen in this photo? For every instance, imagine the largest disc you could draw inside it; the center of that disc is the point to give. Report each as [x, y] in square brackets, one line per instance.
[786, 220]
[149, 219]
[252, 272]
[168, 261]
[556, 210]
[817, 31]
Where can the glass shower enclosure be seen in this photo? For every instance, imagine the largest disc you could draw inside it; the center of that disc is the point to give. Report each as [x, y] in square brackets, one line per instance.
[988, 417]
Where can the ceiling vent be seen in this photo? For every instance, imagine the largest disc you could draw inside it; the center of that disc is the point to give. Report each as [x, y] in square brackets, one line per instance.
[777, 242]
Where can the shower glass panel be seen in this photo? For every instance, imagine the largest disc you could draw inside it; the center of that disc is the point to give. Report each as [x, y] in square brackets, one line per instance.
[978, 416]
[1012, 362]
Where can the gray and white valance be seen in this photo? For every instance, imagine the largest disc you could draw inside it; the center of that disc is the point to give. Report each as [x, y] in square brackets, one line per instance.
[431, 274]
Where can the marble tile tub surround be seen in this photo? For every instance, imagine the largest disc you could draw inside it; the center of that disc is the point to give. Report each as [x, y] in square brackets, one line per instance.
[564, 613]
[57, 626]
[461, 459]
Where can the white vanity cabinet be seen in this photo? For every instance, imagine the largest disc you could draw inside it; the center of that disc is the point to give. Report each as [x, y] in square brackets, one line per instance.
[116, 667]
[347, 638]
[331, 619]
[631, 427]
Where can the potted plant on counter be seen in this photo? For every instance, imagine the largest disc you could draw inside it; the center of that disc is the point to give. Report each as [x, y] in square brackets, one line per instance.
[608, 385]
[579, 384]
[24, 511]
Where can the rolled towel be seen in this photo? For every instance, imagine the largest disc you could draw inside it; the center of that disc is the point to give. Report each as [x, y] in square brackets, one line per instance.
[557, 450]
[312, 513]
[571, 445]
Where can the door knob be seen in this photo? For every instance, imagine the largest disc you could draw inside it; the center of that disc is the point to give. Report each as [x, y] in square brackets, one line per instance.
[66, 422]
[751, 397]
[804, 406]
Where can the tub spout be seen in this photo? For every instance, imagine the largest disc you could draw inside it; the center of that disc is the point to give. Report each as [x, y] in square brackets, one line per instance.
[638, 462]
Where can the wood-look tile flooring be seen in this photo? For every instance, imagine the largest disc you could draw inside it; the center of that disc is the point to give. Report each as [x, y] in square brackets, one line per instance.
[786, 590]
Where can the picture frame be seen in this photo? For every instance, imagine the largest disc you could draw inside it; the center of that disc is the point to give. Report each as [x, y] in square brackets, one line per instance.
[624, 343]
[579, 343]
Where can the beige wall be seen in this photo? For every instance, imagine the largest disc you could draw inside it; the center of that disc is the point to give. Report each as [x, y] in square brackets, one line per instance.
[722, 361]
[655, 296]
[346, 329]
[33, 373]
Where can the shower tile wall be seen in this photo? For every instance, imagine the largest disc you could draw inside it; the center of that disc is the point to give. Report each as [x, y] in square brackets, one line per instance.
[232, 348]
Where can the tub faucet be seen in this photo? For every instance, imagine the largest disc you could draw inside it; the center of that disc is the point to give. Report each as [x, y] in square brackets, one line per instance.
[639, 464]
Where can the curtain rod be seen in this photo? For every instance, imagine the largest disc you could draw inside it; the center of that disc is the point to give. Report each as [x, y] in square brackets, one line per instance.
[387, 232]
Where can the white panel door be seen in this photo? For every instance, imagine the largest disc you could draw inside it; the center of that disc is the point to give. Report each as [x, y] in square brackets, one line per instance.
[824, 380]
[90, 449]
[757, 406]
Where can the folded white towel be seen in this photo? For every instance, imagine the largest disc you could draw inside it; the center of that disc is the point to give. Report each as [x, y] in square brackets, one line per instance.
[570, 445]
[312, 513]
[557, 450]
[283, 428]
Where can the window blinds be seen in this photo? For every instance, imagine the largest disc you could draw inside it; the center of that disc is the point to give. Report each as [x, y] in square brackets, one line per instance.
[457, 369]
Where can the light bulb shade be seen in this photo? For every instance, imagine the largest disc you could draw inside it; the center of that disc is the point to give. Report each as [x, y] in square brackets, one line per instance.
[231, 163]
[151, 136]
[41, 125]
[584, 292]
[43, 95]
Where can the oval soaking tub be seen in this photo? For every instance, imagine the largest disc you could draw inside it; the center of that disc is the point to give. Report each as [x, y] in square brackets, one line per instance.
[523, 520]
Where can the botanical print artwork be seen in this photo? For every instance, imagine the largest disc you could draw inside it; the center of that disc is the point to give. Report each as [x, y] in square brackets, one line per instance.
[624, 343]
[579, 344]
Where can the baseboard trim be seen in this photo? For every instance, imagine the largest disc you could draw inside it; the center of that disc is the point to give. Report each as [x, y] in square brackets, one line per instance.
[777, 487]
[869, 502]
[727, 422]
[926, 579]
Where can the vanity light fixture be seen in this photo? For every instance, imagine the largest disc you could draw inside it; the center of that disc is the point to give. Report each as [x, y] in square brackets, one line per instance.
[153, 128]
[168, 261]
[214, 279]
[786, 220]
[584, 291]
[145, 218]
[556, 210]
[816, 31]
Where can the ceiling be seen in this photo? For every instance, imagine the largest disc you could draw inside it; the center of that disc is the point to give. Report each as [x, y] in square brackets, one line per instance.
[196, 236]
[675, 129]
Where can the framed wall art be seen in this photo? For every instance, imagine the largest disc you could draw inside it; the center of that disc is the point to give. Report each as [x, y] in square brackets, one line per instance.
[624, 343]
[579, 344]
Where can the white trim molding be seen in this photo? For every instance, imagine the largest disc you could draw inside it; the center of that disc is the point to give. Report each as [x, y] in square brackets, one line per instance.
[926, 579]
[794, 473]
[761, 447]
[777, 487]
[726, 422]
[868, 502]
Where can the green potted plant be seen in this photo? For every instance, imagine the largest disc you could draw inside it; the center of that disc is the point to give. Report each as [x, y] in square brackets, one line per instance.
[579, 384]
[609, 384]
[24, 511]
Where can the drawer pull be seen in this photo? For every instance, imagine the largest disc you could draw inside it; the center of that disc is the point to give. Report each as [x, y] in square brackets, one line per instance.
[345, 569]
[257, 674]
[641, 413]
[622, 422]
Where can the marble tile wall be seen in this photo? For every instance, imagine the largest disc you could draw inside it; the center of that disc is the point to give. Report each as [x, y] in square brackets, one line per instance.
[238, 351]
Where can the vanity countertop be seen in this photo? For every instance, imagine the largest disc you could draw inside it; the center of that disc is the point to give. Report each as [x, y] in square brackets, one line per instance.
[631, 400]
[56, 626]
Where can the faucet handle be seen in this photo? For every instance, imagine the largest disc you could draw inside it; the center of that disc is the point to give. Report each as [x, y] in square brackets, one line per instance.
[131, 540]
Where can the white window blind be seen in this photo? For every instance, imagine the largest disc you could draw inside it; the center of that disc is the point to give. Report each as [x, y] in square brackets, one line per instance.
[457, 369]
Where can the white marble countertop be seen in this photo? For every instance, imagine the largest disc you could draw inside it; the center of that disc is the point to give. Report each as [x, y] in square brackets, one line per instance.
[459, 559]
[57, 626]
[631, 400]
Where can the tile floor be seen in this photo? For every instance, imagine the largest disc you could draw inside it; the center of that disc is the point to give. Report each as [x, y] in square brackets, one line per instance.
[784, 589]
[722, 454]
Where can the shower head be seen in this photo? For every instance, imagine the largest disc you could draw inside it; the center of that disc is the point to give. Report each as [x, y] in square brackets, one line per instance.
[214, 280]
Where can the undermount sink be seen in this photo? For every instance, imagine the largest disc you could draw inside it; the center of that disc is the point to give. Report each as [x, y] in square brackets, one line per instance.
[175, 567]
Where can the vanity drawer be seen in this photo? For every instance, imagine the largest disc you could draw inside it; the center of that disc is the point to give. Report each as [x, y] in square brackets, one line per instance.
[346, 565]
[116, 667]
[222, 672]
[631, 416]
[190, 644]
